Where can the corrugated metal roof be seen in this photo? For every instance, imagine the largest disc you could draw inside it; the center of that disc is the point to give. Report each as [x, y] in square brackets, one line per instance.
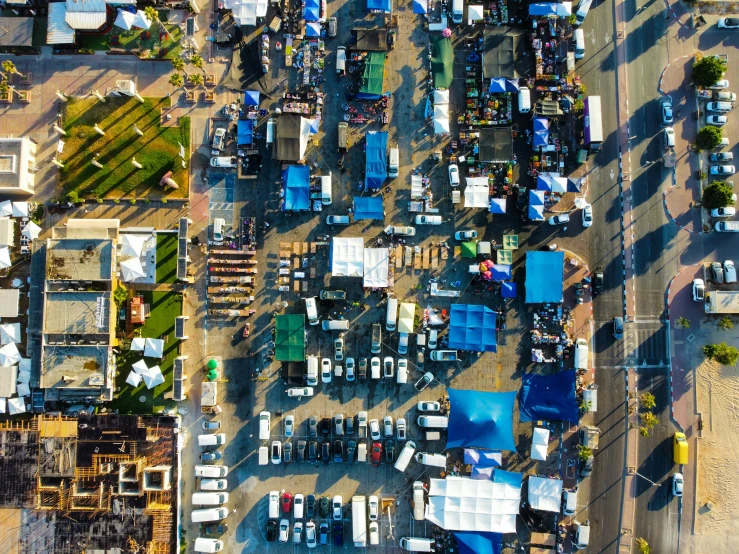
[89, 21]
[58, 32]
[87, 6]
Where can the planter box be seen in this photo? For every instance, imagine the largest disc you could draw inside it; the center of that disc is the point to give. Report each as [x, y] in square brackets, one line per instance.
[190, 96]
[24, 96]
[209, 96]
[6, 98]
[188, 81]
[210, 79]
[25, 80]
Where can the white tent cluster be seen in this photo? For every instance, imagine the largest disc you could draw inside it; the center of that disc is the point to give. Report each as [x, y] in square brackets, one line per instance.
[246, 12]
[349, 258]
[137, 255]
[127, 20]
[15, 380]
[540, 444]
[441, 112]
[151, 376]
[545, 494]
[476, 193]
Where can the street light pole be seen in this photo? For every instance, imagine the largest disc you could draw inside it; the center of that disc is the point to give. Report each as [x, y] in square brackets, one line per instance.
[640, 475]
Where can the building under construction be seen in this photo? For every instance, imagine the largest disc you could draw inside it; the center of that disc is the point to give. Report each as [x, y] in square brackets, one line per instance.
[104, 483]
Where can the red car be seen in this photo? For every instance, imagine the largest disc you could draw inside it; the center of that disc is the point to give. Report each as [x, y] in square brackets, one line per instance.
[287, 502]
[376, 455]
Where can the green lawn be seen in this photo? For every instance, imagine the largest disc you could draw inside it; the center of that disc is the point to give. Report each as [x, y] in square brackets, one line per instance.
[158, 150]
[165, 307]
[136, 39]
[97, 42]
[166, 258]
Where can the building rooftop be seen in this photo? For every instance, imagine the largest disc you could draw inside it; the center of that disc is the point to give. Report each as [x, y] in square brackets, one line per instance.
[77, 313]
[7, 232]
[18, 31]
[80, 259]
[73, 367]
[9, 302]
[15, 154]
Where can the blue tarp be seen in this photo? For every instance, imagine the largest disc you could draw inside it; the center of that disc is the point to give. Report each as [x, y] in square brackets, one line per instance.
[376, 166]
[544, 9]
[549, 397]
[312, 10]
[482, 458]
[420, 6]
[381, 5]
[501, 272]
[244, 131]
[541, 131]
[508, 290]
[471, 542]
[251, 98]
[482, 473]
[511, 478]
[497, 205]
[481, 419]
[313, 29]
[473, 328]
[544, 276]
[499, 85]
[368, 207]
[296, 180]
[536, 205]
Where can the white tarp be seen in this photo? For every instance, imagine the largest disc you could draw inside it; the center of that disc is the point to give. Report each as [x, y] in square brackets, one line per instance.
[416, 187]
[475, 13]
[10, 332]
[133, 245]
[545, 494]
[441, 97]
[3, 405]
[476, 197]
[246, 12]
[132, 269]
[154, 348]
[347, 257]
[6, 208]
[140, 20]
[133, 379]
[5, 258]
[21, 209]
[376, 267]
[540, 444]
[138, 343]
[16, 406]
[9, 355]
[124, 20]
[441, 119]
[464, 504]
[476, 181]
[31, 231]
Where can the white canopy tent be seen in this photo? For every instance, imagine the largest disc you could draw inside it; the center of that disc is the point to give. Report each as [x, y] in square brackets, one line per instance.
[246, 12]
[540, 444]
[124, 20]
[476, 197]
[10, 332]
[3, 405]
[441, 97]
[475, 13]
[23, 389]
[441, 119]
[545, 494]
[9, 355]
[132, 245]
[153, 377]
[140, 20]
[133, 379]
[21, 209]
[140, 367]
[31, 230]
[154, 348]
[132, 269]
[16, 406]
[416, 187]
[376, 267]
[5, 258]
[464, 504]
[6, 208]
[24, 376]
[347, 257]
[138, 344]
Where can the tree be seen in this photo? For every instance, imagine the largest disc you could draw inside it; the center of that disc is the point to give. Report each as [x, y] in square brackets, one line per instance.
[683, 322]
[725, 323]
[197, 80]
[177, 80]
[197, 61]
[120, 295]
[648, 419]
[708, 70]
[9, 67]
[73, 197]
[583, 452]
[722, 353]
[643, 546]
[717, 195]
[178, 64]
[708, 137]
[647, 400]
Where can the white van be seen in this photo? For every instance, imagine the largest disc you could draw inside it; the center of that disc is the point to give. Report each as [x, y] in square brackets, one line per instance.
[211, 472]
[417, 544]
[437, 460]
[274, 504]
[218, 224]
[393, 163]
[326, 189]
[457, 11]
[271, 130]
[263, 456]
[719, 107]
[569, 502]
[581, 354]
[218, 439]
[223, 161]
[213, 485]
[579, 35]
[341, 60]
[209, 514]
[401, 375]
[362, 452]
[419, 503]
[311, 374]
[265, 419]
[582, 11]
[208, 545]
[337, 220]
[524, 100]
[392, 314]
[311, 310]
[582, 535]
[335, 324]
[435, 421]
[209, 498]
[405, 456]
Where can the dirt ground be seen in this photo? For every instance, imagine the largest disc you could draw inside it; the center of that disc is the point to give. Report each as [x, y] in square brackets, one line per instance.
[717, 528]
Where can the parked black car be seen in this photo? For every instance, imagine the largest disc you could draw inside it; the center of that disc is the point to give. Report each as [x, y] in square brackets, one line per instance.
[390, 451]
[310, 506]
[326, 427]
[313, 452]
[300, 453]
[351, 448]
[338, 451]
[312, 427]
[326, 452]
[271, 530]
[338, 534]
[324, 506]
[217, 529]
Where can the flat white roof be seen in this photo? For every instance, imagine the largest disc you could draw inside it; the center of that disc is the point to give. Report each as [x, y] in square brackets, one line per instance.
[347, 257]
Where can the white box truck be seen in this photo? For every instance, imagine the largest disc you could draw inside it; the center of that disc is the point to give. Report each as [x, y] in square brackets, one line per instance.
[405, 456]
[359, 520]
[209, 514]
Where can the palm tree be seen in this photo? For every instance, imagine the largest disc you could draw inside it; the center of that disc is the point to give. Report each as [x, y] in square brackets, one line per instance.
[197, 61]
[9, 67]
[176, 80]
[197, 80]
[178, 64]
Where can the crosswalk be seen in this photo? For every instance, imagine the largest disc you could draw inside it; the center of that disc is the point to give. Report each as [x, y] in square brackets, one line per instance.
[645, 344]
[221, 199]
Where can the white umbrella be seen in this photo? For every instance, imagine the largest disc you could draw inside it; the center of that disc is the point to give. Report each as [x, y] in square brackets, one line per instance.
[20, 209]
[5, 258]
[10, 332]
[132, 245]
[138, 344]
[16, 406]
[141, 21]
[132, 269]
[133, 379]
[154, 348]
[6, 208]
[140, 367]
[153, 377]
[9, 355]
[31, 230]
[125, 20]
[23, 390]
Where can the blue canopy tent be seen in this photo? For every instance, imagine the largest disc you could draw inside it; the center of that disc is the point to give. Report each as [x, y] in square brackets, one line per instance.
[244, 131]
[536, 198]
[483, 458]
[501, 272]
[478, 542]
[549, 397]
[380, 5]
[536, 205]
[508, 290]
[544, 9]
[312, 10]
[544, 276]
[368, 207]
[481, 419]
[497, 205]
[296, 180]
[314, 124]
[313, 29]
[251, 98]
[473, 328]
[499, 85]
[541, 131]
[376, 164]
[574, 184]
[420, 6]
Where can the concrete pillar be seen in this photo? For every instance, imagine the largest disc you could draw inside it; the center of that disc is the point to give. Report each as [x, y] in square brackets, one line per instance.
[60, 130]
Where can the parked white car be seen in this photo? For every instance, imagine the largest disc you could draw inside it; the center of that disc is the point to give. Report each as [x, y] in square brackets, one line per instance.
[699, 290]
[559, 219]
[289, 425]
[299, 391]
[325, 370]
[426, 406]
[374, 427]
[717, 120]
[587, 215]
[453, 175]
[728, 211]
[428, 220]
[723, 170]
[465, 235]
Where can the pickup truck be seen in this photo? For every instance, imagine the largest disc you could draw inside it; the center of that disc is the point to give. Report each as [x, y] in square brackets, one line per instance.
[376, 347]
[362, 425]
[444, 355]
[332, 295]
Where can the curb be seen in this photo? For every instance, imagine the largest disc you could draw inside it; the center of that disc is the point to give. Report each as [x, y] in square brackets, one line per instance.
[667, 211]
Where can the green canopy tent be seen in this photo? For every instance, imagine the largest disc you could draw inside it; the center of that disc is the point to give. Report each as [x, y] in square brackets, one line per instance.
[469, 250]
[290, 338]
[442, 62]
[373, 77]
